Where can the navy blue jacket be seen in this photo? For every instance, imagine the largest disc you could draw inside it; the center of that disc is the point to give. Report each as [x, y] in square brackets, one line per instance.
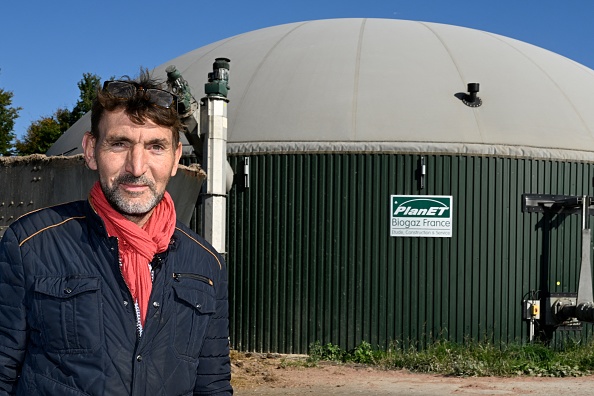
[68, 324]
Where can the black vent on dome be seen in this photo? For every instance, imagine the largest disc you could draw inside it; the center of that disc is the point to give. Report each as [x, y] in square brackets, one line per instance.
[470, 99]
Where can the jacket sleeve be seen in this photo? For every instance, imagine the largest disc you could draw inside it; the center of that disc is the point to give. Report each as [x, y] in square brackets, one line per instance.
[13, 325]
[214, 369]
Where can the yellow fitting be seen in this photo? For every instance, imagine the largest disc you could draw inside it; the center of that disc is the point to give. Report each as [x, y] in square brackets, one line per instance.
[534, 310]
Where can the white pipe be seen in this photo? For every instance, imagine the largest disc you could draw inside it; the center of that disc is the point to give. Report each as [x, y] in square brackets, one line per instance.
[214, 123]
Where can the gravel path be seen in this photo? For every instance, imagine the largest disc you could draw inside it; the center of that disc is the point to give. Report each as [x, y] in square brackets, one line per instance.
[267, 377]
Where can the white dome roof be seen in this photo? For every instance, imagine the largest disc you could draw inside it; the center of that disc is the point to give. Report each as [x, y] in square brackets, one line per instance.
[394, 85]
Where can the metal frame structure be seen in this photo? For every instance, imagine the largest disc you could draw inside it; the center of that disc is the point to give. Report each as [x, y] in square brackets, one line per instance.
[563, 311]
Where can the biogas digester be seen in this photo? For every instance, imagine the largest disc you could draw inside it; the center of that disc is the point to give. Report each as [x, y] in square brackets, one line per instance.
[421, 216]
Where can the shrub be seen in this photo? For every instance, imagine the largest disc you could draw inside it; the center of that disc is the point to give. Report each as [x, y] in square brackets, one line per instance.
[470, 358]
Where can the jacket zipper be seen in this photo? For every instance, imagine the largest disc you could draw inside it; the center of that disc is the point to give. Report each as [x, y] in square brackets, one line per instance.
[178, 275]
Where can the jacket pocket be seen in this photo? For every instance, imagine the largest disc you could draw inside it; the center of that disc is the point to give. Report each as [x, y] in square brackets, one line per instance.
[38, 384]
[195, 304]
[69, 313]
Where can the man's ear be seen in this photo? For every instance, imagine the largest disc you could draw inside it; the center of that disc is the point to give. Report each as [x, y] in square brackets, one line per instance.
[177, 155]
[88, 144]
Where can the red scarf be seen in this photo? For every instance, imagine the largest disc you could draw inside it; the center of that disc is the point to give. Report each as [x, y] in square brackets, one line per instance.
[137, 245]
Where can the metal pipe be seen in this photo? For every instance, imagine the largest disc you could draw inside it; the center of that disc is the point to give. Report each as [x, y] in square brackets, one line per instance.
[246, 172]
[585, 312]
[213, 121]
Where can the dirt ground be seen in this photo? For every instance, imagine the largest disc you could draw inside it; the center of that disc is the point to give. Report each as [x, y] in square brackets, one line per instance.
[273, 374]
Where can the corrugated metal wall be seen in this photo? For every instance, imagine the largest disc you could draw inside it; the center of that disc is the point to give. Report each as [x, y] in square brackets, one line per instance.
[311, 258]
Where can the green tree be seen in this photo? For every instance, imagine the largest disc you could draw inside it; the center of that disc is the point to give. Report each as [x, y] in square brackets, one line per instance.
[88, 91]
[42, 133]
[7, 116]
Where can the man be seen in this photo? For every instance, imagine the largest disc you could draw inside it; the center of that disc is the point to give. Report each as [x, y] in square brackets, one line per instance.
[110, 296]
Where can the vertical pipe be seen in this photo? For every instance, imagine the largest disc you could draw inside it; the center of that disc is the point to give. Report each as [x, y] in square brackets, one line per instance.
[215, 112]
[213, 122]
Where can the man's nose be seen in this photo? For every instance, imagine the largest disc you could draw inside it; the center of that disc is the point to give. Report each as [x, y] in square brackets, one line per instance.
[136, 162]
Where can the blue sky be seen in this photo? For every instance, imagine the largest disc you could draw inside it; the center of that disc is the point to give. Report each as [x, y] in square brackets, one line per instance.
[46, 46]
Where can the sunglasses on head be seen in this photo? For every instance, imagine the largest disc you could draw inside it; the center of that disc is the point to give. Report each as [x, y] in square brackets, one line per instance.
[128, 89]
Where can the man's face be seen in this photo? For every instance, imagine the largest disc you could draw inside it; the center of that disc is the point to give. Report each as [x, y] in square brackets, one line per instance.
[134, 162]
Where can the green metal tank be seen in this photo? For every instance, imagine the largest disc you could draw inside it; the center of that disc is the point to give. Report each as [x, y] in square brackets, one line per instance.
[328, 120]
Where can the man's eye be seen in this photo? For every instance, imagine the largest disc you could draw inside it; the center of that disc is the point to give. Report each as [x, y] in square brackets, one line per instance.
[117, 146]
[157, 147]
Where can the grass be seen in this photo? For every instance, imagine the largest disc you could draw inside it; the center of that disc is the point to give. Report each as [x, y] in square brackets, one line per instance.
[471, 358]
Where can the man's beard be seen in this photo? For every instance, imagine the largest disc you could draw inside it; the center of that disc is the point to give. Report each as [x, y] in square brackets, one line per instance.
[126, 206]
